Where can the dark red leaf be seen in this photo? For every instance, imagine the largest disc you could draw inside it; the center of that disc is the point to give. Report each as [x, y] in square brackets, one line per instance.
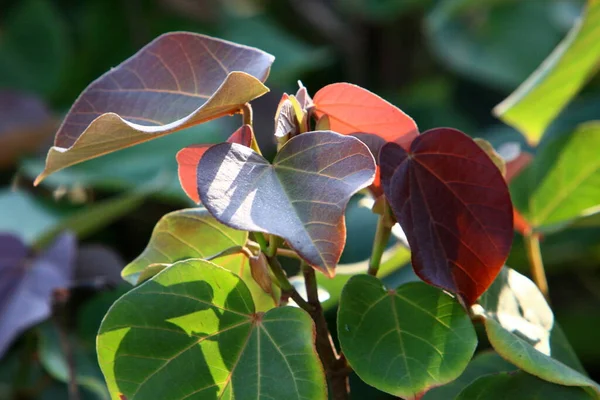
[189, 157]
[301, 197]
[27, 285]
[454, 206]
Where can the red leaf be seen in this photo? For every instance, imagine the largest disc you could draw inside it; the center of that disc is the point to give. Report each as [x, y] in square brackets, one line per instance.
[513, 168]
[454, 206]
[189, 157]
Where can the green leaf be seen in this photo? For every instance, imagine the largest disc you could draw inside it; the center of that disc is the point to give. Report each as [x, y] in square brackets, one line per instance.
[34, 48]
[563, 181]
[194, 233]
[519, 386]
[537, 102]
[403, 341]
[178, 80]
[301, 197]
[482, 364]
[521, 328]
[51, 356]
[192, 332]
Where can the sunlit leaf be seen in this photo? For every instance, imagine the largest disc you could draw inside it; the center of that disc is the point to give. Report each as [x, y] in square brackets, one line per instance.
[537, 102]
[485, 363]
[454, 206]
[189, 157]
[26, 285]
[406, 340]
[194, 233]
[563, 181]
[519, 386]
[192, 332]
[178, 80]
[521, 328]
[301, 197]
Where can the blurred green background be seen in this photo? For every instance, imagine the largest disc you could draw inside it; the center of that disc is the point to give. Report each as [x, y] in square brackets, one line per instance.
[445, 63]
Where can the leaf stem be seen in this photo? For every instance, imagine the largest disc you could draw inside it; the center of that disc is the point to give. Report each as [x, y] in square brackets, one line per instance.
[284, 283]
[247, 117]
[534, 254]
[382, 236]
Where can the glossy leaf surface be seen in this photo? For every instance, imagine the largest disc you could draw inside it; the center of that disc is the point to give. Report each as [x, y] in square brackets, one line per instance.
[178, 80]
[519, 386]
[454, 206]
[301, 197]
[521, 328]
[194, 233]
[537, 102]
[192, 332]
[563, 181]
[484, 363]
[189, 157]
[406, 340]
[26, 286]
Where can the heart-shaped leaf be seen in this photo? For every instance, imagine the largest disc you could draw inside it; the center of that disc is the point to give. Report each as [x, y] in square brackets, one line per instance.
[519, 386]
[539, 99]
[301, 197]
[26, 286]
[406, 340]
[194, 233]
[178, 80]
[521, 328]
[189, 157]
[563, 181]
[454, 207]
[353, 110]
[192, 332]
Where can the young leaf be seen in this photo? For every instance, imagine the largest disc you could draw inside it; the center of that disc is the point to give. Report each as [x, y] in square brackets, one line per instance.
[189, 157]
[192, 332]
[176, 81]
[194, 233]
[521, 328]
[535, 104]
[406, 340]
[563, 182]
[519, 386]
[454, 206]
[26, 286]
[301, 197]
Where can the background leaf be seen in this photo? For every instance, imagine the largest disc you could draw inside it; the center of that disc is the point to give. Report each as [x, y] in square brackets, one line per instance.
[538, 100]
[206, 341]
[301, 197]
[454, 206]
[206, 78]
[406, 340]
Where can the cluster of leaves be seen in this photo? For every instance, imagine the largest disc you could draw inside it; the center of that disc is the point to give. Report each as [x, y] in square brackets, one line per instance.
[210, 292]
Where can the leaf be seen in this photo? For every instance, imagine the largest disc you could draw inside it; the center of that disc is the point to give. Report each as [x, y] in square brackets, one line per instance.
[483, 364]
[98, 264]
[176, 81]
[192, 332]
[454, 207]
[189, 157]
[483, 41]
[519, 386]
[194, 233]
[25, 123]
[406, 340]
[492, 154]
[26, 286]
[538, 100]
[87, 373]
[521, 328]
[301, 197]
[563, 181]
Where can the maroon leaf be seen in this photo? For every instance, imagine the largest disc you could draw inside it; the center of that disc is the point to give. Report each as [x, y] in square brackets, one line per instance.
[454, 206]
[301, 197]
[27, 285]
[178, 80]
[189, 157]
